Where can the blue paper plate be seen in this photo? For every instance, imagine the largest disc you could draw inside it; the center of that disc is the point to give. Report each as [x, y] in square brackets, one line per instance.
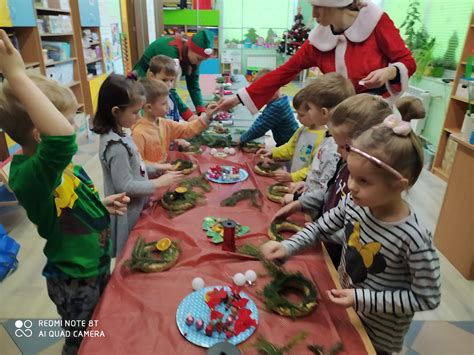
[195, 305]
[243, 176]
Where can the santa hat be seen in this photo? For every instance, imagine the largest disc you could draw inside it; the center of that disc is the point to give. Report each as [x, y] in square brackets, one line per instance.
[331, 3]
[202, 43]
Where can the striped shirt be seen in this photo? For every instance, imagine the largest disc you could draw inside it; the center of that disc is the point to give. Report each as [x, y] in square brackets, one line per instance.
[392, 266]
[277, 117]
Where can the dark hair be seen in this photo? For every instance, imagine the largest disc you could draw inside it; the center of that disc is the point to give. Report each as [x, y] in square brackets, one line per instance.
[116, 91]
[154, 89]
[299, 101]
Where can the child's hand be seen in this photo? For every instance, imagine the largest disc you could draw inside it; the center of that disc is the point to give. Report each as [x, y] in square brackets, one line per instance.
[11, 63]
[297, 187]
[264, 152]
[165, 167]
[287, 210]
[288, 198]
[273, 250]
[182, 143]
[282, 176]
[116, 204]
[345, 298]
[211, 109]
[168, 179]
[237, 140]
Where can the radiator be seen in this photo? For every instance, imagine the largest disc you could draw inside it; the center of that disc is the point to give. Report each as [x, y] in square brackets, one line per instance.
[425, 97]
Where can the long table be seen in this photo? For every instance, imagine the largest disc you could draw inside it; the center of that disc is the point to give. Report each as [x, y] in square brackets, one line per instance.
[137, 311]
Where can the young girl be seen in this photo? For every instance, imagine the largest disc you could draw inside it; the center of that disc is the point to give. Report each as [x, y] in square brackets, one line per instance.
[119, 101]
[349, 119]
[389, 267]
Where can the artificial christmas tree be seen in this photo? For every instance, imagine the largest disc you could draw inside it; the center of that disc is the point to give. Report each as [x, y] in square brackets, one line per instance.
[295, 37]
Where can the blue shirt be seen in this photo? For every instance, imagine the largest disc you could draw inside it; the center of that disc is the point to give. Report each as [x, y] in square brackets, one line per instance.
[277, 117]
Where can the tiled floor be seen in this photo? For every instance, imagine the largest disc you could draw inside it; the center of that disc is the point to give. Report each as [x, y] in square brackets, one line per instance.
[448, 330]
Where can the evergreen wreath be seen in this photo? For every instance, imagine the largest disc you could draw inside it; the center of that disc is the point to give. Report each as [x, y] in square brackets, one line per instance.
[276, 192]
[266, 169]
[185, 166]
[252, 194]
[251, 147]
[278, 226]
[147, 258]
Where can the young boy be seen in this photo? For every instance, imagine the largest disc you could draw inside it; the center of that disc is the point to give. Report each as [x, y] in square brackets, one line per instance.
[152, 133]
[313, 111]
[277, 117]
[167, 70]
[57, 196]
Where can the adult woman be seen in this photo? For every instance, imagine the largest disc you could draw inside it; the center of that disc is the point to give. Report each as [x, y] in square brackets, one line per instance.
[190, 54]
[354, 39]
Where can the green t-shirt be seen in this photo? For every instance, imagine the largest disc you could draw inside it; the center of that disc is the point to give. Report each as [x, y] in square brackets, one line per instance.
[62, 201]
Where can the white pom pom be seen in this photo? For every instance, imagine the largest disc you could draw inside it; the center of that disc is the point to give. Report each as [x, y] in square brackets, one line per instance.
[231, 151]
[250, 276]
[239, 279]
[226, 150]
[197, 283]
[208, 51]
[213, 151]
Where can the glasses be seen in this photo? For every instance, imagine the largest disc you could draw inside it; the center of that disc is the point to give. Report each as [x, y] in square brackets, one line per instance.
[375, 160]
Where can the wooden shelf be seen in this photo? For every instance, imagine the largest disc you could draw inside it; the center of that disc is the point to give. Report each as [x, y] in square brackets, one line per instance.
[32, 64]
[51, 9]
[50, 64]
[56, 34]
[73, 83]
[93, 61]
[459, 138]
[441, 173]
[462, 99]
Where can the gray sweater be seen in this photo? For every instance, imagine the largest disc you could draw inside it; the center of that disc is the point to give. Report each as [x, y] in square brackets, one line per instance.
[124, 171]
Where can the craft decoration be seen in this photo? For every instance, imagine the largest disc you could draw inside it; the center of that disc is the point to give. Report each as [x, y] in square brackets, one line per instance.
[252, 194]
[197, 283]
[155, 256]
[218, 128]
[276, 192]
[250, 276]
[319, 349]
[264, 347]
[266, 169]
[180, 200]
[225, 174]
[185, 166]
[197, 181]
[215, 230]
[239, 279]
[230, 151]
[222, 116]
[252, 146]
[219, 313]
[278, 226]
[213, 141]
[191, 149]
[283, 280]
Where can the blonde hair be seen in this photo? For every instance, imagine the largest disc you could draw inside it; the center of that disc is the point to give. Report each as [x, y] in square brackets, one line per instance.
[361, 116]
[328, 90]
[154, 89]
[15, 120]
[261, 73]
[162, 63]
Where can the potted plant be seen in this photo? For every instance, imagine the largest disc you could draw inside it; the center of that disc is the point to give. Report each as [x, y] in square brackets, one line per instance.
[449, 57]
[438, 67]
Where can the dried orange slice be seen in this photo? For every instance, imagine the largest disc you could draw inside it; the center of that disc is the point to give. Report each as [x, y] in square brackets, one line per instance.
[163, 244]
[181, 190]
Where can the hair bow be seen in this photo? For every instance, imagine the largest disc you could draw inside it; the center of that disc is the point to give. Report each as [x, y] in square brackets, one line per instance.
[132, 75]
[395, 122]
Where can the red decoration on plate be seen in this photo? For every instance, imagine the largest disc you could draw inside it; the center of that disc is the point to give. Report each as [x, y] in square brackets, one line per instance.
[243, 321]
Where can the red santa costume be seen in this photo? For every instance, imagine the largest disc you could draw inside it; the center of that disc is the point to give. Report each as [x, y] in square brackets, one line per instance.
[372, 42]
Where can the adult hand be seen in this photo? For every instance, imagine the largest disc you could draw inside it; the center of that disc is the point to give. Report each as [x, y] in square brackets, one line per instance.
[211, 109]
[379, 77]
[345, 298]
[287, 210]
[168, 179]
[226, 103]
[264, 152]
[273, 250]
[282, 176]
[11, 63]
[117, 203]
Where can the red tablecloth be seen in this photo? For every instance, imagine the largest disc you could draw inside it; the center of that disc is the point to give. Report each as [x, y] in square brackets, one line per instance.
[138, 311]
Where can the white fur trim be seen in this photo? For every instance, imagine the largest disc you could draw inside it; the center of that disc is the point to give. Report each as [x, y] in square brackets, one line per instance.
[331, 3]
[403, 80]
[323, 39]
[246, 99]
[340, 55]
[208, 51]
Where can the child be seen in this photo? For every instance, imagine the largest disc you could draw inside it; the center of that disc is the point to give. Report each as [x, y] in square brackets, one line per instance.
[349, 119]
[118, 104]
[277, 117]
[152, 133]
[167, 70]
[58, 197]
[328, 90]
[389, 267]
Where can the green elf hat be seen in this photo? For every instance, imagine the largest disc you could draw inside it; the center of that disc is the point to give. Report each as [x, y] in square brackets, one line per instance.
[202, 43]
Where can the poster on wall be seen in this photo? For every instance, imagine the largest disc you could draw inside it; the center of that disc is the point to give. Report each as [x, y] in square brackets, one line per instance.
[110, 30]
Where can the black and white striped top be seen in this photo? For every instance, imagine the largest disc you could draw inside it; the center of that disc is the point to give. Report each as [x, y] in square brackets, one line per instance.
[392, 266]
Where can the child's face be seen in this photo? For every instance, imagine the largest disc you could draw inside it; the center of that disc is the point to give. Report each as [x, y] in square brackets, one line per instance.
[167, 79]
[318, 116]
[159, 107]
[370, 187]
[126, 117]
[341, 139]
[303, 116]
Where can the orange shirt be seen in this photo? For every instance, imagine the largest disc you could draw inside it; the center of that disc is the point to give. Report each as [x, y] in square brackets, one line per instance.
[153, 139]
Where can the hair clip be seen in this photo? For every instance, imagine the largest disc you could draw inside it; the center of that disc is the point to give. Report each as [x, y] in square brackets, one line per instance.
[395, 122]
[132, 75]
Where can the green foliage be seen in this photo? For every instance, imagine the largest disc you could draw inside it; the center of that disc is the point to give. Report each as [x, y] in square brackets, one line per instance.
[268, 167]
[145, 255]
[197, 181]
[449, 56]
[213, 141]
[409, 24]
[252, 35]
[183, 164]
[264, 347]
[252, 194]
